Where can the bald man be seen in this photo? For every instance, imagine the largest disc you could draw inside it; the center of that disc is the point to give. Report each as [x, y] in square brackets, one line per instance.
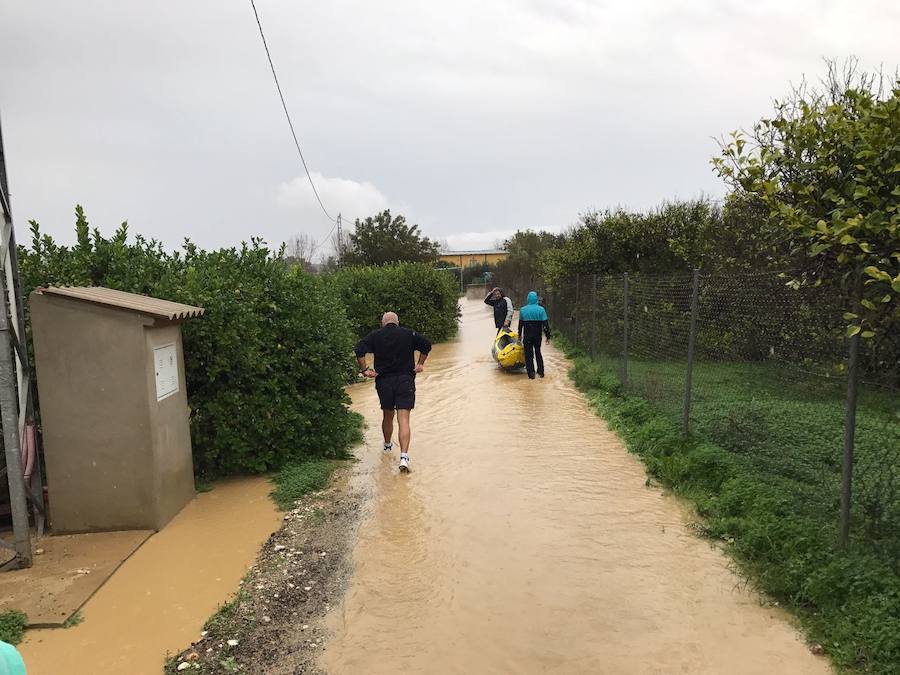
[395, 376]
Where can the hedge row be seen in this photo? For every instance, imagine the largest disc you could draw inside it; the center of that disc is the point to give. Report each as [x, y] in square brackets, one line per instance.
[267, 364]
[425, 298]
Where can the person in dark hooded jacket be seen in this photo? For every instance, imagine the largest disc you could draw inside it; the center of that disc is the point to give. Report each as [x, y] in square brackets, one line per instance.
[532, 321]
[503, 308]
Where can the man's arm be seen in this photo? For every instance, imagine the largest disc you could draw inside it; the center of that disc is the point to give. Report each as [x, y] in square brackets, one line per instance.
[547, 329]
[509, 311]
[422, 345]
[488, 299]
[363, 368]
[364, 347]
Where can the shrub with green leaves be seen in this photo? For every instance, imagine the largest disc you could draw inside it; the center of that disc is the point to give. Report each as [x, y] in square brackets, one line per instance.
[12, 626]
[425, 298]
[827, 167]
[266, 364]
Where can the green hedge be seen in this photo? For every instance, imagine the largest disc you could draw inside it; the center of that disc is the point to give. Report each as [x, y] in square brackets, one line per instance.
[265, 366]
[425, 298]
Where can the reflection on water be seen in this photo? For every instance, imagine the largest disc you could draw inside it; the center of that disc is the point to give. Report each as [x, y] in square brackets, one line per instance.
[525, 541]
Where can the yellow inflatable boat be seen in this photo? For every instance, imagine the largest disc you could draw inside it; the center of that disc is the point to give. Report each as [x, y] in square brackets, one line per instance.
[508, 350]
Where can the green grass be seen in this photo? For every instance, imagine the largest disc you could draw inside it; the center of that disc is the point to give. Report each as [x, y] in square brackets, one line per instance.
[12, 626]
[763, 468]
[297, 479]
[74, 620]
[204, 485]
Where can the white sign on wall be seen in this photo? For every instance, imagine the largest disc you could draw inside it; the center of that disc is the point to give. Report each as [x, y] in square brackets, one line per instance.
[165, 362]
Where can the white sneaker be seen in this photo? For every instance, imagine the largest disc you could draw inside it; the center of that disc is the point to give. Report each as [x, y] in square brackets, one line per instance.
[404, 463]
[388, 448]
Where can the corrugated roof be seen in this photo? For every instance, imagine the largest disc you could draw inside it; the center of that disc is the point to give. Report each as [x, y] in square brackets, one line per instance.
[160, 309]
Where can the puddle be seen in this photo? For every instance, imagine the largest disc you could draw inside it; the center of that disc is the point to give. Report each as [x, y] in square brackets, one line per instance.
[159, 599]
[526, 541]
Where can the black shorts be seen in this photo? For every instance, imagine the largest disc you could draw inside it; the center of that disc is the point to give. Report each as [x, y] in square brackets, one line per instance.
[396, 392]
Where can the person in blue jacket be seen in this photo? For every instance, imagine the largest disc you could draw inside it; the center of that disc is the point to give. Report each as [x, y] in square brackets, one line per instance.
[11, 662]
[532, 322]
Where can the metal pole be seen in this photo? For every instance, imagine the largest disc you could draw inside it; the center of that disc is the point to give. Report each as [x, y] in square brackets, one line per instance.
[594, 319]
[340, 239]
[26, 391]
[24, 379]
[849, 434]
[9, 399]
[688, 380]
[625, 337]
[577, 323]
[12, 448]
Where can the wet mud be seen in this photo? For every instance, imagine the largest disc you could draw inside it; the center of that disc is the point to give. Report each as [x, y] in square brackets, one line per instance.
[160, 597]
[275, 623]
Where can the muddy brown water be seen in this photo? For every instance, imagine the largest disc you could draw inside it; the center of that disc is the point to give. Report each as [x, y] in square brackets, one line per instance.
[161, 596]
[526, 541]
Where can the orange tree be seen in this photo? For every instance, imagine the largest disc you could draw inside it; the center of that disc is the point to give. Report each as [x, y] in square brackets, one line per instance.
[827, 167]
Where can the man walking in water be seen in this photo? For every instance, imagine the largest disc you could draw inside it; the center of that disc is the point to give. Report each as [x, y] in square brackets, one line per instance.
[503, 308]
[532, 320]
[395, 376]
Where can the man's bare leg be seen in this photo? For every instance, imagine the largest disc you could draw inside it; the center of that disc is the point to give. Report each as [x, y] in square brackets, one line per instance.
[387, 428]
[403, 423]
[404, 433]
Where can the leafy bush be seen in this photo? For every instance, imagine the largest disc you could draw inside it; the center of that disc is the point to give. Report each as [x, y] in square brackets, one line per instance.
[826, 164]
[12, 626]
[425, 298]
[265, 366]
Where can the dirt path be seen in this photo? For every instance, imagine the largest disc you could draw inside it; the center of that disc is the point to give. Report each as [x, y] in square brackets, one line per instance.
[526, 541]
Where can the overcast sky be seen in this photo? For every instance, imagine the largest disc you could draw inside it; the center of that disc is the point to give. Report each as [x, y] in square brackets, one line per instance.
[473, 118]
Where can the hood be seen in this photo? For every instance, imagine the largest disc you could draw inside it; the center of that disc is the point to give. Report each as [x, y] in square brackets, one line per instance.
[532, 298]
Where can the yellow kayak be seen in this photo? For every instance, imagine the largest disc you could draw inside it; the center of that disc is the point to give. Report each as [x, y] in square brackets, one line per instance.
[508, 350]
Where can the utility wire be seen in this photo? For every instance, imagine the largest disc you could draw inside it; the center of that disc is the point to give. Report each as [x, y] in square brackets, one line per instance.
[288, 116]
[325, 238]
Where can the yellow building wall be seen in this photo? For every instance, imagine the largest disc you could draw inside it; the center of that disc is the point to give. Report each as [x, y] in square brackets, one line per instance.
[467, 258]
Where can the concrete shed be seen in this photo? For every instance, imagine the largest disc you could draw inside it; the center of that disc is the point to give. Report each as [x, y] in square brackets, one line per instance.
[113, 404]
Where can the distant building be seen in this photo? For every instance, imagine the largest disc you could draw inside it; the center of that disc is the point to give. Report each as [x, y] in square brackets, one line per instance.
[469, 258]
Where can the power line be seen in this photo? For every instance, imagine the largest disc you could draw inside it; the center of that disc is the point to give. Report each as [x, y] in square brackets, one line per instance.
[288, 115]
[326, 237]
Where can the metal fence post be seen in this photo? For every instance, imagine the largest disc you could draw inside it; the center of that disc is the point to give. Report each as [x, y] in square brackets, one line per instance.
[625, 336]
[849, 435]
[689, 376]
[577, 323]
[594, 318]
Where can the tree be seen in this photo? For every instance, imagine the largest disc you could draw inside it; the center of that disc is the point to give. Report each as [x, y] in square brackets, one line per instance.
[827, 167]
[299, 250]
[524, 250]
[383, 239]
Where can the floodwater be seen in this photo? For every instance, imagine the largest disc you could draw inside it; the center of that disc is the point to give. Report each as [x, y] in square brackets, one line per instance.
[159, 599]
[526, 541]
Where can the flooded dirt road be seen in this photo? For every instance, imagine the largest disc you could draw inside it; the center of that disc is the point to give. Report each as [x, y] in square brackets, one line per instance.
[161, 596]
[525, 541]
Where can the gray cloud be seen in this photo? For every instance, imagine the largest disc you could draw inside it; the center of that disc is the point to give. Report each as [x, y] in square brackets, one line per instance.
[471, 117]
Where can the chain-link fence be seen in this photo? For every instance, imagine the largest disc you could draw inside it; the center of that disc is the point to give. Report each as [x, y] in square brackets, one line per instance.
[759, 368]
